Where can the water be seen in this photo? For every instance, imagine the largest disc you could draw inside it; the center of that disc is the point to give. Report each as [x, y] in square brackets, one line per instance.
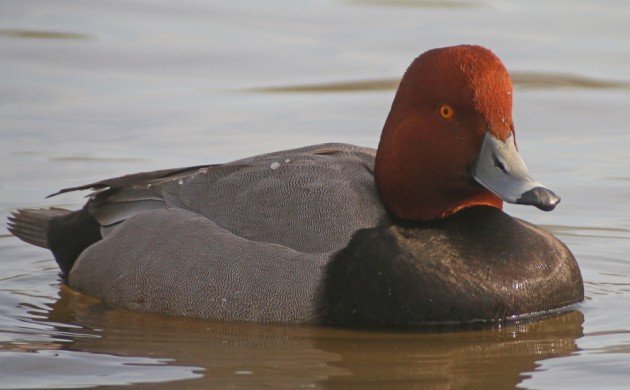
[95, 90]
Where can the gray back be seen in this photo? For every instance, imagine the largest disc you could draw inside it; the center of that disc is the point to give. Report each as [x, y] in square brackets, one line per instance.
[247, 240]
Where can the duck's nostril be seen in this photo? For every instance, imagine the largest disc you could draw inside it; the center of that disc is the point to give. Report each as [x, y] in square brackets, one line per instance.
[499, 164]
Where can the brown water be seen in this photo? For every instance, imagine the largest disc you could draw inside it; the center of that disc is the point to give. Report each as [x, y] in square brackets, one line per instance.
[93, 90]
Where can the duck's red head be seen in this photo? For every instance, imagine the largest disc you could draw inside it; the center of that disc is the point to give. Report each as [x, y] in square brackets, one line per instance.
[448, 142]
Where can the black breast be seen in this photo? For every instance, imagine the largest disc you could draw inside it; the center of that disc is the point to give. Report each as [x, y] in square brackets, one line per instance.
[480, 264]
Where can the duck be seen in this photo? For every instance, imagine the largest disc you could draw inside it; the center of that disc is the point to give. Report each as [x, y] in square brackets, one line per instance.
[410, 233]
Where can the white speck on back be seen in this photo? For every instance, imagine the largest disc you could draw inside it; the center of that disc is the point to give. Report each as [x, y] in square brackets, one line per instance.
[288, 160]
[274, 165]
[180, 181]
[203, 170]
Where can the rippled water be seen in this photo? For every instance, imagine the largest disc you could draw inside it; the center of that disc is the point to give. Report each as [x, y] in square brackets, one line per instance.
[98, 89]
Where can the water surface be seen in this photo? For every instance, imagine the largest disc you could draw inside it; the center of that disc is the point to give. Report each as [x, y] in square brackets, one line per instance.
[95, 90]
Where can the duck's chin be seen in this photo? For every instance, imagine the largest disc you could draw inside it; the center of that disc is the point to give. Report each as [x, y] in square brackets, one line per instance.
[485, 199]
[439, 208]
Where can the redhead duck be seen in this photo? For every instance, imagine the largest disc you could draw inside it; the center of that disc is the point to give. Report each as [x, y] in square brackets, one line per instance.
[335, 234]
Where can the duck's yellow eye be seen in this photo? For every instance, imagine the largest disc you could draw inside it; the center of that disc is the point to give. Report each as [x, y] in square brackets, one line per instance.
[447, 111]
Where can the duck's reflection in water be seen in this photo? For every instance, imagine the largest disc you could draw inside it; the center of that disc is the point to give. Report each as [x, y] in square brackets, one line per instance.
[295, 356]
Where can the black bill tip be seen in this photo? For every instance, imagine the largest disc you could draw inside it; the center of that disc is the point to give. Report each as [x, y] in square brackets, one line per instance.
[540, 197]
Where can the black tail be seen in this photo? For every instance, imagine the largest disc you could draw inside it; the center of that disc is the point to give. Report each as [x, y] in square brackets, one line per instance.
[66, 233]
[31, 225]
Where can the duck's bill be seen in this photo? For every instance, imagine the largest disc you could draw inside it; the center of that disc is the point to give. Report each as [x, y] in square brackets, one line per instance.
[501, 170]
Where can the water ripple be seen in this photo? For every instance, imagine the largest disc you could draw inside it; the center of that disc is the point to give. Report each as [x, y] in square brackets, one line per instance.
[447, 4]
[39, 34]
[521, 80]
